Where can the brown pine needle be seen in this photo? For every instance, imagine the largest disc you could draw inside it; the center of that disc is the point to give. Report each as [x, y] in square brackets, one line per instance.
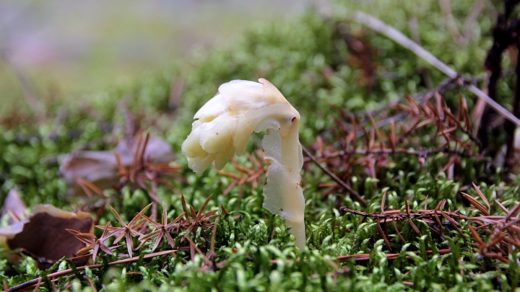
[476, 204]
[481, 195]
[351, 191]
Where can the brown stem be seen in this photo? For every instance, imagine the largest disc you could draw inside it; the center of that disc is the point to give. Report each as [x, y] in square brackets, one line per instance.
[504, 35]
[420, 153]
[355, 195]
[489, 114]
[509, 127]
[390, 256]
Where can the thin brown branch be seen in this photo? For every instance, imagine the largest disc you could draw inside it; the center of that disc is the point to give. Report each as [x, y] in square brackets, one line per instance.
[355, 195]
[390, 256]
[397, 151]
[56, 275]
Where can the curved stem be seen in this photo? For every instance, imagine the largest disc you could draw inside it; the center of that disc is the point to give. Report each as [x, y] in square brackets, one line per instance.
[297, 229]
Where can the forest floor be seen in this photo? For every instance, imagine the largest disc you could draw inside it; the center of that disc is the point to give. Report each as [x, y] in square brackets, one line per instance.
[409, 183]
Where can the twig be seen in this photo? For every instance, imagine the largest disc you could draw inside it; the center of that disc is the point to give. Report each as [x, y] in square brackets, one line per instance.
[363, 257]
[352, 192]
[66, 272]
[420, 152]
[392, 33]
[398, 215]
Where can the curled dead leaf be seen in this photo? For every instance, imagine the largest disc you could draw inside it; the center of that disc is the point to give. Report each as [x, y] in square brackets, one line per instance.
[157, 150]
[101, 167]
[44, 234]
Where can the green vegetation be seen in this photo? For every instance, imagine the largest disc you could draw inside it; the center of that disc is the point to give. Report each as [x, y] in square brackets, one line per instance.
[331, 70]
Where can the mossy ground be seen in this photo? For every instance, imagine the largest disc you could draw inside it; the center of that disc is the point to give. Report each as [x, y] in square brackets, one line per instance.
[308, 59]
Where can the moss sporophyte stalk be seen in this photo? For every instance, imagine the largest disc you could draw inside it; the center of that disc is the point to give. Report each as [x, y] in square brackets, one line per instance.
[222, 128]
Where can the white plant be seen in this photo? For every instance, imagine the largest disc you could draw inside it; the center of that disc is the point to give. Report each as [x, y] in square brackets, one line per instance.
[222, 128]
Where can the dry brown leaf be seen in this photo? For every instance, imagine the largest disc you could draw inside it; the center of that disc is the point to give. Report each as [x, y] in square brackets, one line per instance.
[94, 166]
[157, 150]
[44, 234]
[100, 167]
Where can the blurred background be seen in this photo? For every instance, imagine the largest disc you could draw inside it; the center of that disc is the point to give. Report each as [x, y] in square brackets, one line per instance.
[60, 49]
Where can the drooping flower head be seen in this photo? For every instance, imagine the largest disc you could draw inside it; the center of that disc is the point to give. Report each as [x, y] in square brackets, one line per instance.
[223, 125]
[222, 128]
